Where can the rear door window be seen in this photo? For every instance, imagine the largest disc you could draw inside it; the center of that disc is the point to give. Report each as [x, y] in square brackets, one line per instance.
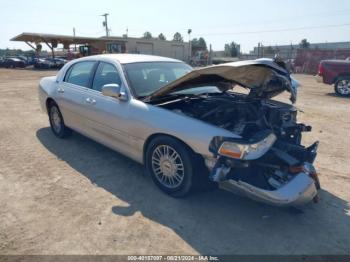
[80, 73]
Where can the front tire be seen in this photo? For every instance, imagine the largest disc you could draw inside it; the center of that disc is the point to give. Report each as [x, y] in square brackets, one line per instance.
[56, 122]
[342, 87]
[170, 164]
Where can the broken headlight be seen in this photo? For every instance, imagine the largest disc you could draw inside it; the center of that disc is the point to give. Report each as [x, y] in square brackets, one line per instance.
[247, 151]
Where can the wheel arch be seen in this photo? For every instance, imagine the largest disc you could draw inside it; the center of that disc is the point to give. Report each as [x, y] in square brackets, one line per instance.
[340, 77]
[153, 136]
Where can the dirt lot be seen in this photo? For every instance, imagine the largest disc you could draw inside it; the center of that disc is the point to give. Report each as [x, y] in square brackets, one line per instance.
[77, 197]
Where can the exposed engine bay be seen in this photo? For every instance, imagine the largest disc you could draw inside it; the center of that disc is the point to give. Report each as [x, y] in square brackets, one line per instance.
[241, 115]
[254, 120]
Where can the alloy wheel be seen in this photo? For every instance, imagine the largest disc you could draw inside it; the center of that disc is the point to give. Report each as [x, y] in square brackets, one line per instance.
[343, 87]
[168, 166]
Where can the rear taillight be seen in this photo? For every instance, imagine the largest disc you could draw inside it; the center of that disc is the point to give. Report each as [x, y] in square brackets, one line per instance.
[320, 69]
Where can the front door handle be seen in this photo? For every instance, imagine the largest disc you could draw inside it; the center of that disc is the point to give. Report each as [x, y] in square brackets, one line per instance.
[60, 90]
[90, 101]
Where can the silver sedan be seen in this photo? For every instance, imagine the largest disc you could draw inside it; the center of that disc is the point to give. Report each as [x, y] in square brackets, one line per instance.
[190, 126]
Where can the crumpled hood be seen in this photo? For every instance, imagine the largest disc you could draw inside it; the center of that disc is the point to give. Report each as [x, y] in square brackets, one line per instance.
[263, 77]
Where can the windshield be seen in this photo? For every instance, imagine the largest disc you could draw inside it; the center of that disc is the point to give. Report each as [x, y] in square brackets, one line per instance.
[146, 78]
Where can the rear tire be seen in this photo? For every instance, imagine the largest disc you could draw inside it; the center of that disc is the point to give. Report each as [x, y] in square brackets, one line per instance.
[56, 121]
[170, 163]
[342, 87]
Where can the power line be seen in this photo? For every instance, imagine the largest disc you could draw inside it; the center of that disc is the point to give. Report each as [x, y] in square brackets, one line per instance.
[293, 18]
[274, 30]
[261, 22]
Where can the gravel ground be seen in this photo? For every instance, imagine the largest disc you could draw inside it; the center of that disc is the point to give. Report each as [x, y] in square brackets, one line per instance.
[75, 196]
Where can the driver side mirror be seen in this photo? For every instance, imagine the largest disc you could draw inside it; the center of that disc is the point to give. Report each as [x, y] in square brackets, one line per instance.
[114, 90]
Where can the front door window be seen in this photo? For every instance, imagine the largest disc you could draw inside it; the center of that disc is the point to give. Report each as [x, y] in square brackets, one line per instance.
[105, 74]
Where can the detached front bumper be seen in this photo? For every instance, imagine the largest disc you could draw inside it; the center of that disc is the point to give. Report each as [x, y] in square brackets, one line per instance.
[299, 191]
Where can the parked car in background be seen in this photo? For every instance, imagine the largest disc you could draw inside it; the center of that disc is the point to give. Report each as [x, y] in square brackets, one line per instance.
[337, 73]
[187, 125]
[2, 60]
[50, 63]
[58, 62]
[13, 63]
[24, 59]
[43, 63]
[31, 61]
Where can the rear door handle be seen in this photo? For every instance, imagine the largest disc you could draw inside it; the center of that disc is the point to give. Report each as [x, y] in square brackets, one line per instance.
[60, 90]
[90, 101]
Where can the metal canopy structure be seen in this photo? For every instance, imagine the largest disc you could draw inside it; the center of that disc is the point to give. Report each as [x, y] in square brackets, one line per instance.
[110, 44]
[52, 40]
[61, 39]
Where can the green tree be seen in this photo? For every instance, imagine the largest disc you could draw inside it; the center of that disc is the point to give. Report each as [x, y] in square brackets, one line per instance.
[304, 44]
[269, 50]
[198, 45]
[162, 37]
[232, 49]
[147, 35]
[178, 37]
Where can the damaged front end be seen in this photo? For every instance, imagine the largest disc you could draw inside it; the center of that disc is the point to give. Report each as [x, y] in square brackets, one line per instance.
[266, 168]
[266, 161]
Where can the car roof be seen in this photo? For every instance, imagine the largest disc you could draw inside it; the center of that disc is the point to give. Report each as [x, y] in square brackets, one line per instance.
[121, 58]
[134, 58]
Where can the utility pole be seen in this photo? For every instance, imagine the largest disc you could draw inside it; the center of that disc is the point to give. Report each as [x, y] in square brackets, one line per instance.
[105, 23]
[189, 45]
[210, 57]
[75, 45]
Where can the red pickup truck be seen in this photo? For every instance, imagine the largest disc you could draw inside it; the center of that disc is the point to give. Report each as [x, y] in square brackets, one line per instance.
[335, 72]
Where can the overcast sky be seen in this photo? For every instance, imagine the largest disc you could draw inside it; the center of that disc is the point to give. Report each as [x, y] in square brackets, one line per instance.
[246, 22]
